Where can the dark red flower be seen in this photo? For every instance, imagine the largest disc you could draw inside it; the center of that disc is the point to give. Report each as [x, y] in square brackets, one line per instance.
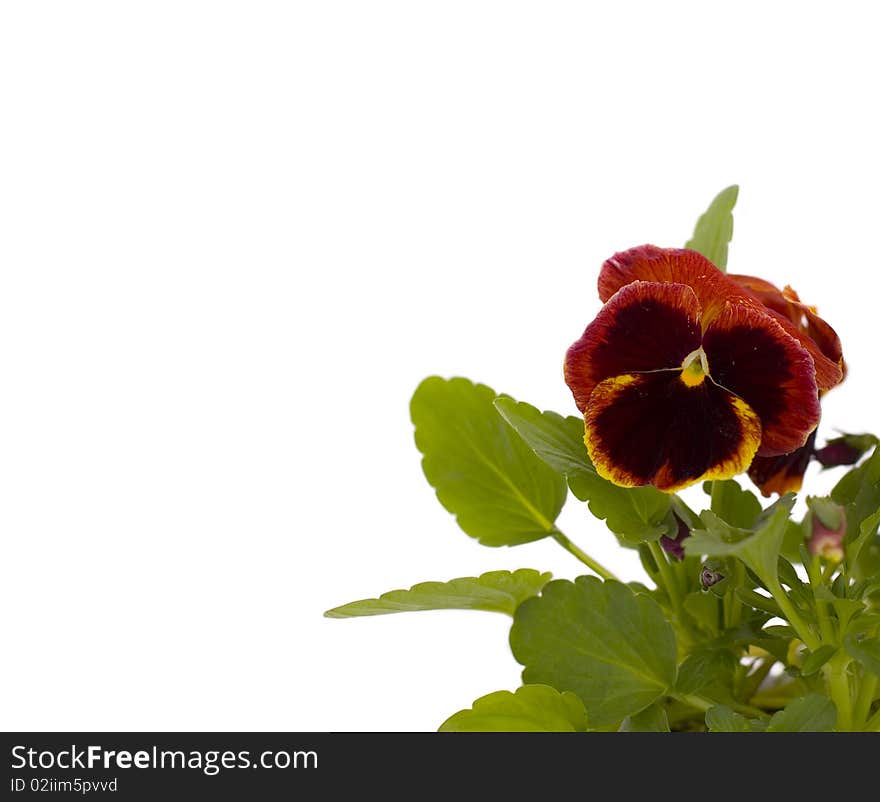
[685, 376]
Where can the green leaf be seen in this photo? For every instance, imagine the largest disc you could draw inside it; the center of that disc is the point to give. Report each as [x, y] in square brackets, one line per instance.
[826, 510]
[866, 651]
[613, 648]
[714, 229]
[483, 472]
[845, 609]
[722, 719]
[703, 668]
[735, 506]
[758, 601]
[759, 550]
[558, 441]
[859, 492]
[869, 587]
[847, 488]
[496, 591]
[532, 708]
[635, 514]
[651, 719]
[862, 623]
[795, 536]
[815, 660]
[867, 530]
[811, 713]
[703, 607]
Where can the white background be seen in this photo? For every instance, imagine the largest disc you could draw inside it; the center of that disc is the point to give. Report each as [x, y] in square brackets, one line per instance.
[235, 236]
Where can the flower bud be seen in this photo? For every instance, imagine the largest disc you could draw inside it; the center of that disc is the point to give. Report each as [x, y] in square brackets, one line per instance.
[845, 450]
[709, 576]
[827, 530]
[674, 546]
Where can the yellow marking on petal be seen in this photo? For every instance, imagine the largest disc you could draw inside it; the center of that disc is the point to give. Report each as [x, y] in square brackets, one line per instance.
[664, 479]
[782, 485]
[604, 467]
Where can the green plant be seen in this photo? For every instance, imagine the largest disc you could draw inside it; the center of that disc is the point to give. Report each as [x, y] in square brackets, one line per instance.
[756, 621]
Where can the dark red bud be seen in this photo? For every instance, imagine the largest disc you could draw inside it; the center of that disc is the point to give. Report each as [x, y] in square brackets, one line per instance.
[709, 577]
[825, 539]
[838, 453]
[674, 546]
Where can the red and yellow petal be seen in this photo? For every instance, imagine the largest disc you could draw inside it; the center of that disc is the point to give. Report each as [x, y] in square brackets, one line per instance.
[785, 473]
[643, 327]
[653, 428]
[677, 265]
[751, 355]
[801, 321]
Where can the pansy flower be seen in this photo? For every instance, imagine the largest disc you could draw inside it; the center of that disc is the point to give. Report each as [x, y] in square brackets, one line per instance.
[685, 375]
[785, 473]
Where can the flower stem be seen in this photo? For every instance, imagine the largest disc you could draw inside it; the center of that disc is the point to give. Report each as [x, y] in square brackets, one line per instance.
[792, 615]
[585, 558]
[684, 512]
[667, 577]
[826, 628]
[732, 605]
[865, 699]
[715, 496]
[838, 686]
[701, 703]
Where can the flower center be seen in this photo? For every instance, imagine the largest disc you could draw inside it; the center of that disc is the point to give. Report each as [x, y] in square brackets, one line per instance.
[694, 368]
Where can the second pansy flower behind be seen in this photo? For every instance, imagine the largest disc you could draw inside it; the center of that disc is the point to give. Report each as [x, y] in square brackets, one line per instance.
[685, 376]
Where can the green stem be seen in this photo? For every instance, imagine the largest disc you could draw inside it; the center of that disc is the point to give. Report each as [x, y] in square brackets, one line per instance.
[792, 615]
[772, 702]
[701, 703]
[826, 628]
[694, 701]
[715, 496]
[732, 604]
[684, 512]
[585, 558]
[829, 572]
[873, 723]
[667, 577]
[865, 699]
[838, 686]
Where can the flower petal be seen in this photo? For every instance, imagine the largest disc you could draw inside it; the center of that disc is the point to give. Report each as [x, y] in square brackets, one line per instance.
[785, 473]
[751, 355]
[652, 428]
[677, 265]
[646, 326]
[801, 321]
